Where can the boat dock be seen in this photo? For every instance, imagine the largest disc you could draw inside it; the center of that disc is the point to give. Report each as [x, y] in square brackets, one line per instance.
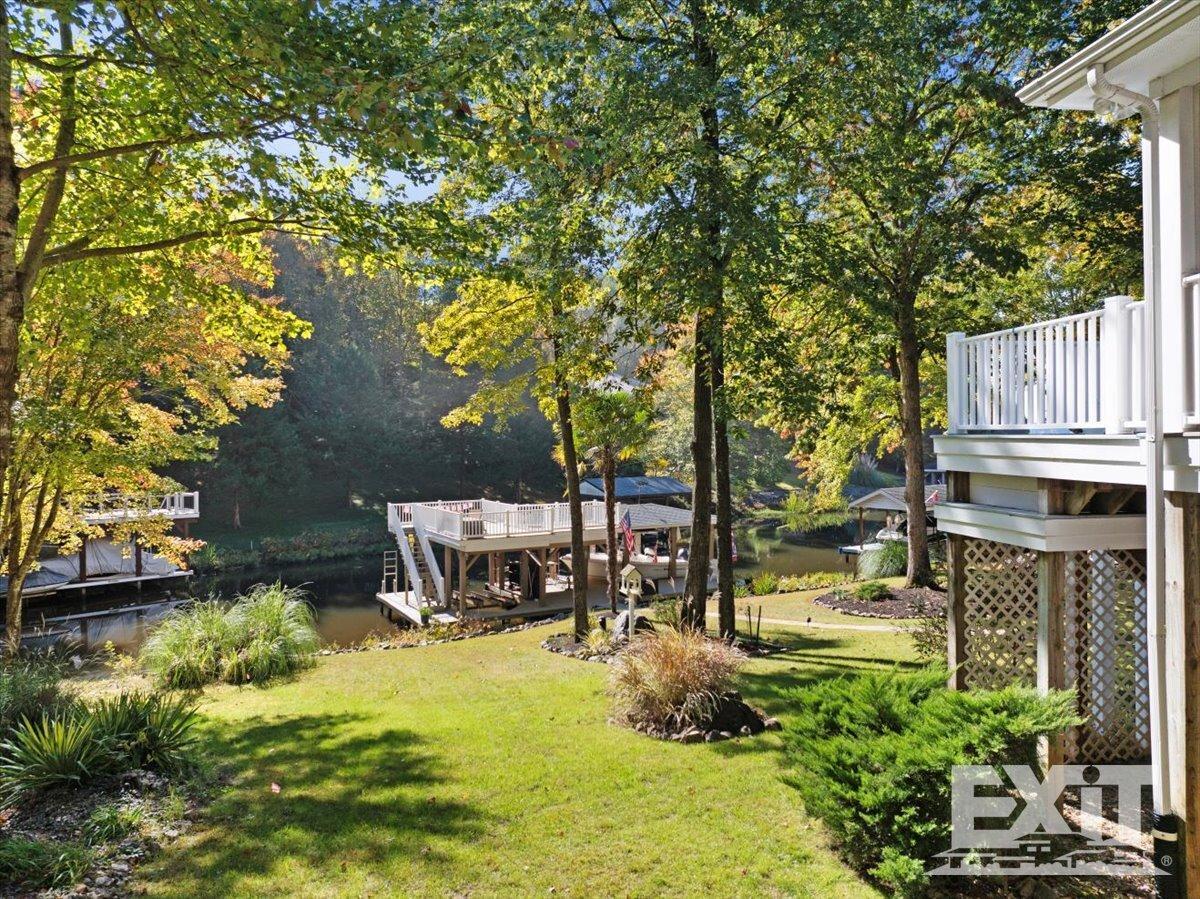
[522, 547]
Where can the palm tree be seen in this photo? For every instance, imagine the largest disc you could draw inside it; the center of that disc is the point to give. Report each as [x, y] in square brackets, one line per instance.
[612, 425]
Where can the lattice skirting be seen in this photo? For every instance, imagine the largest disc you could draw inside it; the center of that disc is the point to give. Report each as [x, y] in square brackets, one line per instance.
[1105, 655]
[1000, 584]
[1104, 626]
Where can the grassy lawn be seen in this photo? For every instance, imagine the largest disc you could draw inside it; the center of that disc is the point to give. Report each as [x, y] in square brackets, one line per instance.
[487, 767]
[800, 606]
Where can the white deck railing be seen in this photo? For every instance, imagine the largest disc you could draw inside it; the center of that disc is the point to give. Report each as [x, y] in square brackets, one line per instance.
[471, 519]
[1080, 372]
[108, 507]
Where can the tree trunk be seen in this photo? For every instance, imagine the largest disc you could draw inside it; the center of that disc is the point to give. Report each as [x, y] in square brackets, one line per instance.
[608, 468]
[579, 568]
[12, 288]
[726, 613]
[237, 512]
[913, 436]
[696, 586]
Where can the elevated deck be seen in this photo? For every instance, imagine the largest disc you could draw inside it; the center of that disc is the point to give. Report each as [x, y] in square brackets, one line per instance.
[110, 508]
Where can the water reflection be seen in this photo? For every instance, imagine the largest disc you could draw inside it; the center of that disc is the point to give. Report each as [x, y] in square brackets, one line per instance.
[343, 593]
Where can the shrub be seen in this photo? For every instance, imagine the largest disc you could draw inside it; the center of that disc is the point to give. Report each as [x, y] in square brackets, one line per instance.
[872, 756]
[269, 632]
[671, 678]
[30, 687]
[741, 591]
[597, 640]
[51, 750]
[670, 612]
[764, 584]
[929, 634]
[33, 863]
[890, 560]
[112, 822]
[145, 730]
[814, 580]
[872, 591]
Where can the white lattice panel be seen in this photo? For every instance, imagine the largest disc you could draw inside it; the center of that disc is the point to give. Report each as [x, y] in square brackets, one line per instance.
[1105, 657]
[1000, 614]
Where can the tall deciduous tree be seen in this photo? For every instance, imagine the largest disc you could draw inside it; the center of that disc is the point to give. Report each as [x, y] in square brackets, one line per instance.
[913, 142]
[126, 366]
[130, 129]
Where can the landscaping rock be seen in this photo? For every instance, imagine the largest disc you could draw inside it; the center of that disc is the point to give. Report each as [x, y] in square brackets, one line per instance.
[731, 714]
[620, 628]
[772, 724]
[714, 736]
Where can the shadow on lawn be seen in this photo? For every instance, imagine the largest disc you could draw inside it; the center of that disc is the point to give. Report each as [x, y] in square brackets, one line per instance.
[806, 661]
[344, 798]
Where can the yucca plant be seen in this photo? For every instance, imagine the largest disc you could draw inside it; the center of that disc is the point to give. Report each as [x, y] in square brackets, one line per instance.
[49, 751]
[147, 730]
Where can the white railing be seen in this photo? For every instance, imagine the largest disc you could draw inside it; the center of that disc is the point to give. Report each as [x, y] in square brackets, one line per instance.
[1080, 372]
[410, 568]
[487, 518]
[105, 507]
[1191, 310]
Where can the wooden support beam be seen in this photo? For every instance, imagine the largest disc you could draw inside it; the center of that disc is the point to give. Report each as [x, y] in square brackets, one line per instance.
[1182, 536]
[462, 581]
[523, 568]
[83, 559]
[958, 488]
[137, 557]
[1078, 496]
[1051, 665]
[1116, 499]
[542, 558]
[448, 571]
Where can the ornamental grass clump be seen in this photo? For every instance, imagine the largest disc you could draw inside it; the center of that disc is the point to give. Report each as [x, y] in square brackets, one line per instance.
[671, 679]
[271, 631]
[890, 559]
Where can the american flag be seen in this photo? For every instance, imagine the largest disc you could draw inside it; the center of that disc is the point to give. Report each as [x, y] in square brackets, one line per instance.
[627, 530]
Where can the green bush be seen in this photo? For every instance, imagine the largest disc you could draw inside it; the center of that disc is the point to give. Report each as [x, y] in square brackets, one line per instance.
[30, 687]
[872, 756]
[147, 730]
[269, 632]
[52, 750]
[872, 591]
[812, 580]
[36, 864]
[890, 560]
[764, 583]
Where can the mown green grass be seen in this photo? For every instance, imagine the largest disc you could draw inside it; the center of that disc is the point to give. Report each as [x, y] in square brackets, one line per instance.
[800, 606]
[487, 767]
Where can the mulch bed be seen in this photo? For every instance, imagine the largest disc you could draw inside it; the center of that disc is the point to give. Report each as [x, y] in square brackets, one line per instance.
[914, 602]
[58, 817]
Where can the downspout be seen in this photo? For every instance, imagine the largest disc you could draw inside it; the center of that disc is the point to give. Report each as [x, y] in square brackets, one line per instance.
[1121, 102]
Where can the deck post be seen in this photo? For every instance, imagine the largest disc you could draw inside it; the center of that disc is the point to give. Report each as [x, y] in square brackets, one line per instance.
[1051, 623]
[83, 558]
[137, 557]
[448, 571]
[1182, 535]
[462, 581]
[958, 486]
[543, 554]
[523, 568]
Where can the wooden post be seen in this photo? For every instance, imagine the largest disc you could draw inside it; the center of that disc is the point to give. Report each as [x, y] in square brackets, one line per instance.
[523, 568]
[1051, 624]
[462, 581]
[958, 487]
[448, 571]
[83, 559]
[542, 558]
[1182, 533]
[862, 536]
[137, 557]
[672, 551]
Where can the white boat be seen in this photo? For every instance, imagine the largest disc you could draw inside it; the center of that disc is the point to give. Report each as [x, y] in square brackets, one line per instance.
[653, 568]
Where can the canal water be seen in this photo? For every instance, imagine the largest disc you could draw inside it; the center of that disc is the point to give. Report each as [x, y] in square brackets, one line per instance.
[343, 593]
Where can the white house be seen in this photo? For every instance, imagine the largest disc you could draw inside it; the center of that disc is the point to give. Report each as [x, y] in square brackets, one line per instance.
[1073, 453]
